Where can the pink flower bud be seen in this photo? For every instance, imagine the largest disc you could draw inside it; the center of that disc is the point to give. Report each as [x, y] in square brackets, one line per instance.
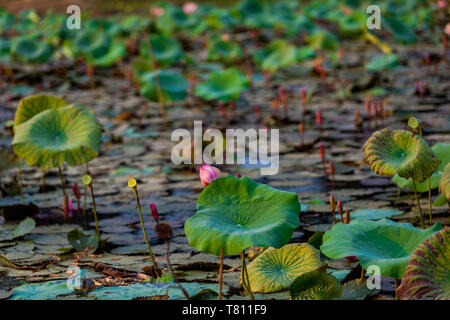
[238, 175]
[155, 214]
[367, 105]
[318, 117]
[303, 94]
[157, 11]
[322, 151]
[76, 191]
[208, 174]
[69, 209]
[190, 7]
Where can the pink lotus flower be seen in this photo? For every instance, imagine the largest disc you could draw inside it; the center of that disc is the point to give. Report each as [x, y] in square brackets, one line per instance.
[447, 29]
[155, 214]
[76, 191]
[225, 37]
[442, 4]
[157, 11]
[208, 174]
[190, 7]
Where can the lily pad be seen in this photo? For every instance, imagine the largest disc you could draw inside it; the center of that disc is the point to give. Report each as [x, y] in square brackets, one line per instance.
[399, 151]
[372, 214]
[69, 134]
[384, 243]
[41, 291]
[428, 272]
[237, 213]
[223, 85]
[315, 285]
[33, 50]
[25, 227]
[173, 85]
[276, 269]
[30, 106]
[382, 62]
[444, 186]
[165, 50]
[80, 242]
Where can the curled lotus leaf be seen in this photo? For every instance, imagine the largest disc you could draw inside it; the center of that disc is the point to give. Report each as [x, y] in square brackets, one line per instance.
[238, 213]
[32, 105]
[32, 50]
[399, 151]
[275, 269]
[68, 134]
[385, 243]
[315, 285]
[444, 186]
[428, 271]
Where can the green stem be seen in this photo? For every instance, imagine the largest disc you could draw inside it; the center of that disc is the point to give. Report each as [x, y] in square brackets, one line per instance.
[173, 273]
[63, 184]
[94, 209]
[418, 202]
[85, 200]
[143, 228]
[396, 288]
[19, 167]
[429, 200]
[244, 276]
[220, 274]
[43, 181]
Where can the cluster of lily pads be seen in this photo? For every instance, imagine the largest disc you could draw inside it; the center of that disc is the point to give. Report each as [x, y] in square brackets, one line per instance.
[151, 52]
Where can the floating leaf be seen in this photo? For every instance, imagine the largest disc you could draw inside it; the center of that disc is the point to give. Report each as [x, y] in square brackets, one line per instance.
[399, 151]
[31, 50]
[385, 243]
[278, 54]
[30, 106]
[69, 134]
[323, 40]
[356, 290]
[224, 51]
[165, 50]
[25, 227]
[237, 213]
[315, 285]
[382, 62]
[372, 214]
[173, 85]
[80, 242]
[428, 271]
[276, 269]
[223, 85]
[41, 291]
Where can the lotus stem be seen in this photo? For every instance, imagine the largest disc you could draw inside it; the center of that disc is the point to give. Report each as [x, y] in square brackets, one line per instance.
[66, 206]
[396, 288]
[43, 181]
[143, 227]
[418, 202]
[158, 85]
[220, 274]
[244, 276]
[94, 210]
[19, 167]
[85, 199]
[173, 273]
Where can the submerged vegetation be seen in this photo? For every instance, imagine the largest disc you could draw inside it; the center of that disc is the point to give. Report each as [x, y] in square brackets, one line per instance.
[97, 106]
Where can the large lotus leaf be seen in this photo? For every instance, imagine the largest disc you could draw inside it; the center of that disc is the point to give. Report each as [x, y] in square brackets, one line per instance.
[173, 85]
[352, 24]
[442, 153]
[444, 186]
[323, 40]
[224, 51]
[275, 269]
[372, 214]
[33, 50]
[223, 85]
[382, 62]
[80, 242]
[41, 291]
[399, 29]
[315, 285]
[428, 271]
[24, 227]
[305, 53]
[32, 105]
[165, 50]
[68, 134]
[384, 243]
[399, 151]
[92, 43]
[238, 213]
[116, 51]
[278, 54]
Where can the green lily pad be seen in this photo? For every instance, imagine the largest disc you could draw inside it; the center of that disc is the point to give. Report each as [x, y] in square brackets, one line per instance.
[428, 272]
[173, 85]
[25, 227]
[31, 50]
[356, 290]
[275, 269]
[69, 134]
[384, 243]
[116, 52]
[323, 40]
[91, 43]
[383, 62]
[224, 51]
[399, 29]
[237, 213]
[444, 186]
[372, 214]
[165, 50]
[41, 291]
[399, 151]
[278, 54]
[442, 153]
[223, 85]
[80, 242]
[315, 285]
[30, 106]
